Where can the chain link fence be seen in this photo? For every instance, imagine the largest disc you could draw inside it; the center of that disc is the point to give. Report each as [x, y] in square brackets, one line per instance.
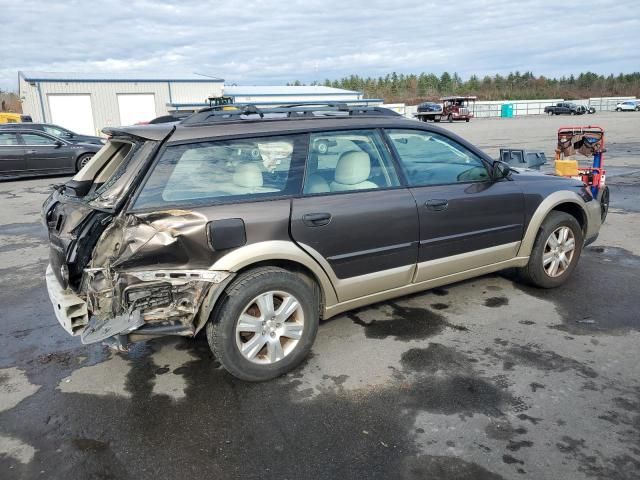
[493, 109]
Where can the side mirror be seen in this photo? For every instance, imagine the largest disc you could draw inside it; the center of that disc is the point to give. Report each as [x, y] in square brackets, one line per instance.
[69, 135]
[500, 170]
[59, 144]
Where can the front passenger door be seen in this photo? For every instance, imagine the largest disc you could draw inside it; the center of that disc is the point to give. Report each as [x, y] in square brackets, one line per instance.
[467, 220]
[354, 217]
[45, 153]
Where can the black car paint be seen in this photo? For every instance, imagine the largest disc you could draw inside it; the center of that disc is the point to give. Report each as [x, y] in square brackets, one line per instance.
[369, 231]
[69, 136]
[59, 157]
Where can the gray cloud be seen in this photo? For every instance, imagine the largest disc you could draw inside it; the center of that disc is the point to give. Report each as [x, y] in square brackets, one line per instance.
[261, 41]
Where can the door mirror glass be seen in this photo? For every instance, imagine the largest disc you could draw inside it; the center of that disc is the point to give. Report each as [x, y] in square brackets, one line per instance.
[500, 170]
[59, 144]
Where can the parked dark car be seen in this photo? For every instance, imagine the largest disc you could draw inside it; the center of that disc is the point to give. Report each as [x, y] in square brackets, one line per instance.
[59, 132]
[256, 224]
[566, 108]
[26, 152]
[429, 111]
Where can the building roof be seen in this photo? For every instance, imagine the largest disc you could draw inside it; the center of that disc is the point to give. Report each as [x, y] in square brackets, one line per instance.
[271, 90]
[115, 77]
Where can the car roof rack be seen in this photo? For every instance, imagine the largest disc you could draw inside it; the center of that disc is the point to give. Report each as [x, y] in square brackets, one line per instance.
[231, 113]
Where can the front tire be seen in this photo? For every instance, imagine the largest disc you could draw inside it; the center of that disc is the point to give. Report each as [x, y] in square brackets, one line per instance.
[604, 203]
[265, 325]
[555, 252]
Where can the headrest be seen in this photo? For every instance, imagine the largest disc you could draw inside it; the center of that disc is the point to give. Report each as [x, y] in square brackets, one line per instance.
[353, 167]
[248, 175]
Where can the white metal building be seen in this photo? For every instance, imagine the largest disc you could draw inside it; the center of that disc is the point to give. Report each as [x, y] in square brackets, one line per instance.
[87, 103]
[267, 95]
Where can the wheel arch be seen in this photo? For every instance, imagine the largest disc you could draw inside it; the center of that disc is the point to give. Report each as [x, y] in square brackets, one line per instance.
[281, 254]
[561, 201]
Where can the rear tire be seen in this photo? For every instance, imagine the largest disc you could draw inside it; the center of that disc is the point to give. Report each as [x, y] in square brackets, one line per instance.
[82, 161]
[544, 255]
[266, 343]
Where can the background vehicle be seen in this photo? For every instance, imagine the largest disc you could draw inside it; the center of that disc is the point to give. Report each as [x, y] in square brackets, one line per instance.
[628, 106]
[565, 108]
[457, 108]
[255, 224]
[26, 152]
[429, 111]
[59, 132]
[9, 117]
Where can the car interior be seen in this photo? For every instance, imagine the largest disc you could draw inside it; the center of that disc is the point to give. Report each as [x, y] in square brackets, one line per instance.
[346, 162]
[431, 159]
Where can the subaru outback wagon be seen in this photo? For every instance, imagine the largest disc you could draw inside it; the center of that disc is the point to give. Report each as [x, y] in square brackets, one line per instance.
[256, 224]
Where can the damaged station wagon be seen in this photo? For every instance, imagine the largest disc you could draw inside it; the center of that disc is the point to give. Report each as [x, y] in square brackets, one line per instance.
[256, 224]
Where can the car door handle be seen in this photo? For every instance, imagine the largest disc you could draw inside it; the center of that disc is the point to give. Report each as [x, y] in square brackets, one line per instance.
[436, 205]
[32, 151]
[316, 219]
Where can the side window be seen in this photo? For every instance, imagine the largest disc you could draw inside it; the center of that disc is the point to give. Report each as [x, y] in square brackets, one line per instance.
[433, 159]
[54, 131]
[35, 139]
[347, 161]
[219, 171]
[8, 139]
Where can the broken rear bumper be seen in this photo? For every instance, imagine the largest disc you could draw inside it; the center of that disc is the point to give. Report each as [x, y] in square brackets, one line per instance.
[71, 310]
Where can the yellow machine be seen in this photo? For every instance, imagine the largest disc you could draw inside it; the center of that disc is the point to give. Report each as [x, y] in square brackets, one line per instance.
[567, 168]
[8, 117]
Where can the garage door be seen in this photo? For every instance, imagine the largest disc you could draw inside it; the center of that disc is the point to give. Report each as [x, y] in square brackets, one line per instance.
[72, 112]
[135, 108]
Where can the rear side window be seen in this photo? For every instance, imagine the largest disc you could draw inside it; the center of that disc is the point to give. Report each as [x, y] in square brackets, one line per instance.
[222, 171]
[429, 158]
[8, 139]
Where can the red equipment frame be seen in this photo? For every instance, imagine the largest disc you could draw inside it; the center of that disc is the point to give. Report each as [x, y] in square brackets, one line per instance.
[593, 176]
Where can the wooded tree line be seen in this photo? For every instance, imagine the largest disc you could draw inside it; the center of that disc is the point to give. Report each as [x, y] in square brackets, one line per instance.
[414, 88]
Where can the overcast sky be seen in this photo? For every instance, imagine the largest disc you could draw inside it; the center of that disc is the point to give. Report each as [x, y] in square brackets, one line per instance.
[269, 42]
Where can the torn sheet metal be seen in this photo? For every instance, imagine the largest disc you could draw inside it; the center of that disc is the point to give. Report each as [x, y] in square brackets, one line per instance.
[100, 329]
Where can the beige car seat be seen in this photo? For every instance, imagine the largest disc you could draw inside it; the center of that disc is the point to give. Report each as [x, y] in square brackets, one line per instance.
[315, 183]
[352, 172]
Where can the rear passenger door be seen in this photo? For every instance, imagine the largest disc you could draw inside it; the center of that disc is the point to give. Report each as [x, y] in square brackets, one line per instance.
[12, 155]
[467, 220]
[354, 217]
[220, 195]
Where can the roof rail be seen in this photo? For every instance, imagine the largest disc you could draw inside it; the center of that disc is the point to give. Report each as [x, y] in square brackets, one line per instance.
[229, 113]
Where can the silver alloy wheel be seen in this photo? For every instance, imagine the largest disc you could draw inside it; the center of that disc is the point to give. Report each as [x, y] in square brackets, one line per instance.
[270, 327]
[558, 251]
[85, 160]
